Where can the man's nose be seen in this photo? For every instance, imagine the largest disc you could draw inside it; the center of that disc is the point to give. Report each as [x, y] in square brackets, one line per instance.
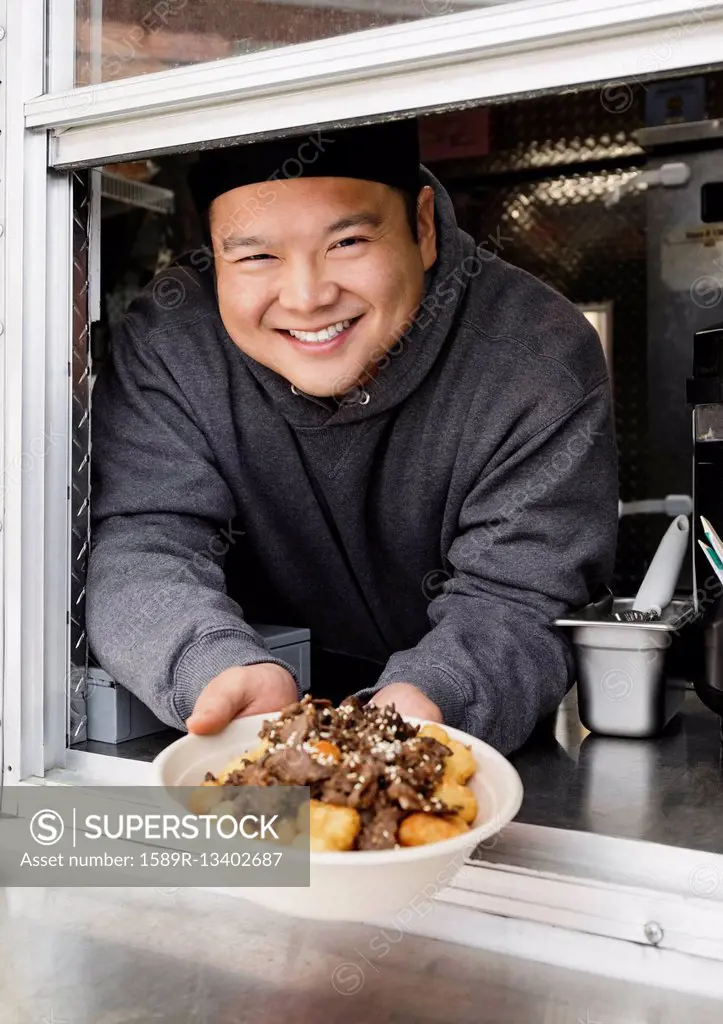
[305, 288]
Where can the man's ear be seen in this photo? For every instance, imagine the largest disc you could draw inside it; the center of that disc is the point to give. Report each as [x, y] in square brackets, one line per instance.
[426, 228]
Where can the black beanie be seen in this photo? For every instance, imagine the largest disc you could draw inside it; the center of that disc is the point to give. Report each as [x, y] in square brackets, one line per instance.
[386, 152]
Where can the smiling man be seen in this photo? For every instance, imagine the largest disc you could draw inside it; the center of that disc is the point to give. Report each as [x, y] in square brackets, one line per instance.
[355, 419]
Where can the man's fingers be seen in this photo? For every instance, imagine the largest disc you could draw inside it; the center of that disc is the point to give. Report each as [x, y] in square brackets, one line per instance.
[217, 705]
[239, 691]
[408, 700]
[267, 703]
[212, 717]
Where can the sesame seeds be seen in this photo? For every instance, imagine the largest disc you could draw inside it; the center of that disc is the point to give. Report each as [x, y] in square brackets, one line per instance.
[363, 757]
[310, 748]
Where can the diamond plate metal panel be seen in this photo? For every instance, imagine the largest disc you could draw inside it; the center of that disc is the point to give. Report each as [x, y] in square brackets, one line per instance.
[80, 464]
[593, 124]
[555, 131]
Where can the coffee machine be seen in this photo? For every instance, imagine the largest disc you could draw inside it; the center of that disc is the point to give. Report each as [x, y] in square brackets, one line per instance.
[705, 395]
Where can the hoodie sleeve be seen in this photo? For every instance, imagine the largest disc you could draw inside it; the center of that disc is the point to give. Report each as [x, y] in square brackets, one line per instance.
[157, 614]
[536, 537]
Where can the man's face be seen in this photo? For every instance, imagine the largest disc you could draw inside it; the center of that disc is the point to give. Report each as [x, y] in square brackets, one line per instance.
[316, 277]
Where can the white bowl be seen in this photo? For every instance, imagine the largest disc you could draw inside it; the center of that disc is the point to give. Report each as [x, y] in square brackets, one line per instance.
[360, 885]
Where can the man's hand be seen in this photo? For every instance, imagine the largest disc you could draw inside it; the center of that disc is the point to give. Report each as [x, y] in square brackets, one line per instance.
[408, 700]
[241, 691]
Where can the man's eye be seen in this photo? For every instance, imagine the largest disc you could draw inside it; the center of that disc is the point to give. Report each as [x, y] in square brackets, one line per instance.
[256, 258]
[347, 243]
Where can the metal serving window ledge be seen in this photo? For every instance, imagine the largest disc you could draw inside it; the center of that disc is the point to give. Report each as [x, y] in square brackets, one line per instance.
[539, 889]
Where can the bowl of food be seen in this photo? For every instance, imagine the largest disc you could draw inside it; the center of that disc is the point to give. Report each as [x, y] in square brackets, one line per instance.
[396, 804]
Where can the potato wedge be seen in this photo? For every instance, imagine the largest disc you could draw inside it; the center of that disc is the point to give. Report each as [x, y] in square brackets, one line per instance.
[459, 799]
[420, 829]
[436, 732]
[332, 827]
[460, 767]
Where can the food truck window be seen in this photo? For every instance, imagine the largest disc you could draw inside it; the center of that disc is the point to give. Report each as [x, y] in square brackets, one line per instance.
[562, 204]
[535, 153]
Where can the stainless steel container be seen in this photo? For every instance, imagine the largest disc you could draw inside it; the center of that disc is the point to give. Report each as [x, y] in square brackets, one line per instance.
[629, 681]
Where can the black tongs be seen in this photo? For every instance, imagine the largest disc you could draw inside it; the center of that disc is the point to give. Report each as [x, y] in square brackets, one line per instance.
[601, 607]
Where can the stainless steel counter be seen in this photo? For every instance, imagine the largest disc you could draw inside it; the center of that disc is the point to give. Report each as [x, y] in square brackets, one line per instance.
[116, 956]
[667, 790]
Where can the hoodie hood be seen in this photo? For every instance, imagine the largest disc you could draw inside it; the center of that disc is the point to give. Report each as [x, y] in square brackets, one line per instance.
[409, 360]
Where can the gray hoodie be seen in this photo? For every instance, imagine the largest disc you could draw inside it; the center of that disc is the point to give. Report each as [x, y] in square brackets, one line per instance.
[434, 530]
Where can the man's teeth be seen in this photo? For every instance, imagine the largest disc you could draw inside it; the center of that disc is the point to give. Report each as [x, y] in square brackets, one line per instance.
[326, 335]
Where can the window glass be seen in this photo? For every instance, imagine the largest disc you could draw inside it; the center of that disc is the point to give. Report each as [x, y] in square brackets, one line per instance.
[122, 38]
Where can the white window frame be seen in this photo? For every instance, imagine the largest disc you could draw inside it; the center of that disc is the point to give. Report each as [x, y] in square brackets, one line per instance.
[550, 878]
[502, 51]
[26, 196]
[3, 327]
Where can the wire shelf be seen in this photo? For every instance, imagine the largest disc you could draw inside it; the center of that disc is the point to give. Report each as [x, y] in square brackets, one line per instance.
[136, 193]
